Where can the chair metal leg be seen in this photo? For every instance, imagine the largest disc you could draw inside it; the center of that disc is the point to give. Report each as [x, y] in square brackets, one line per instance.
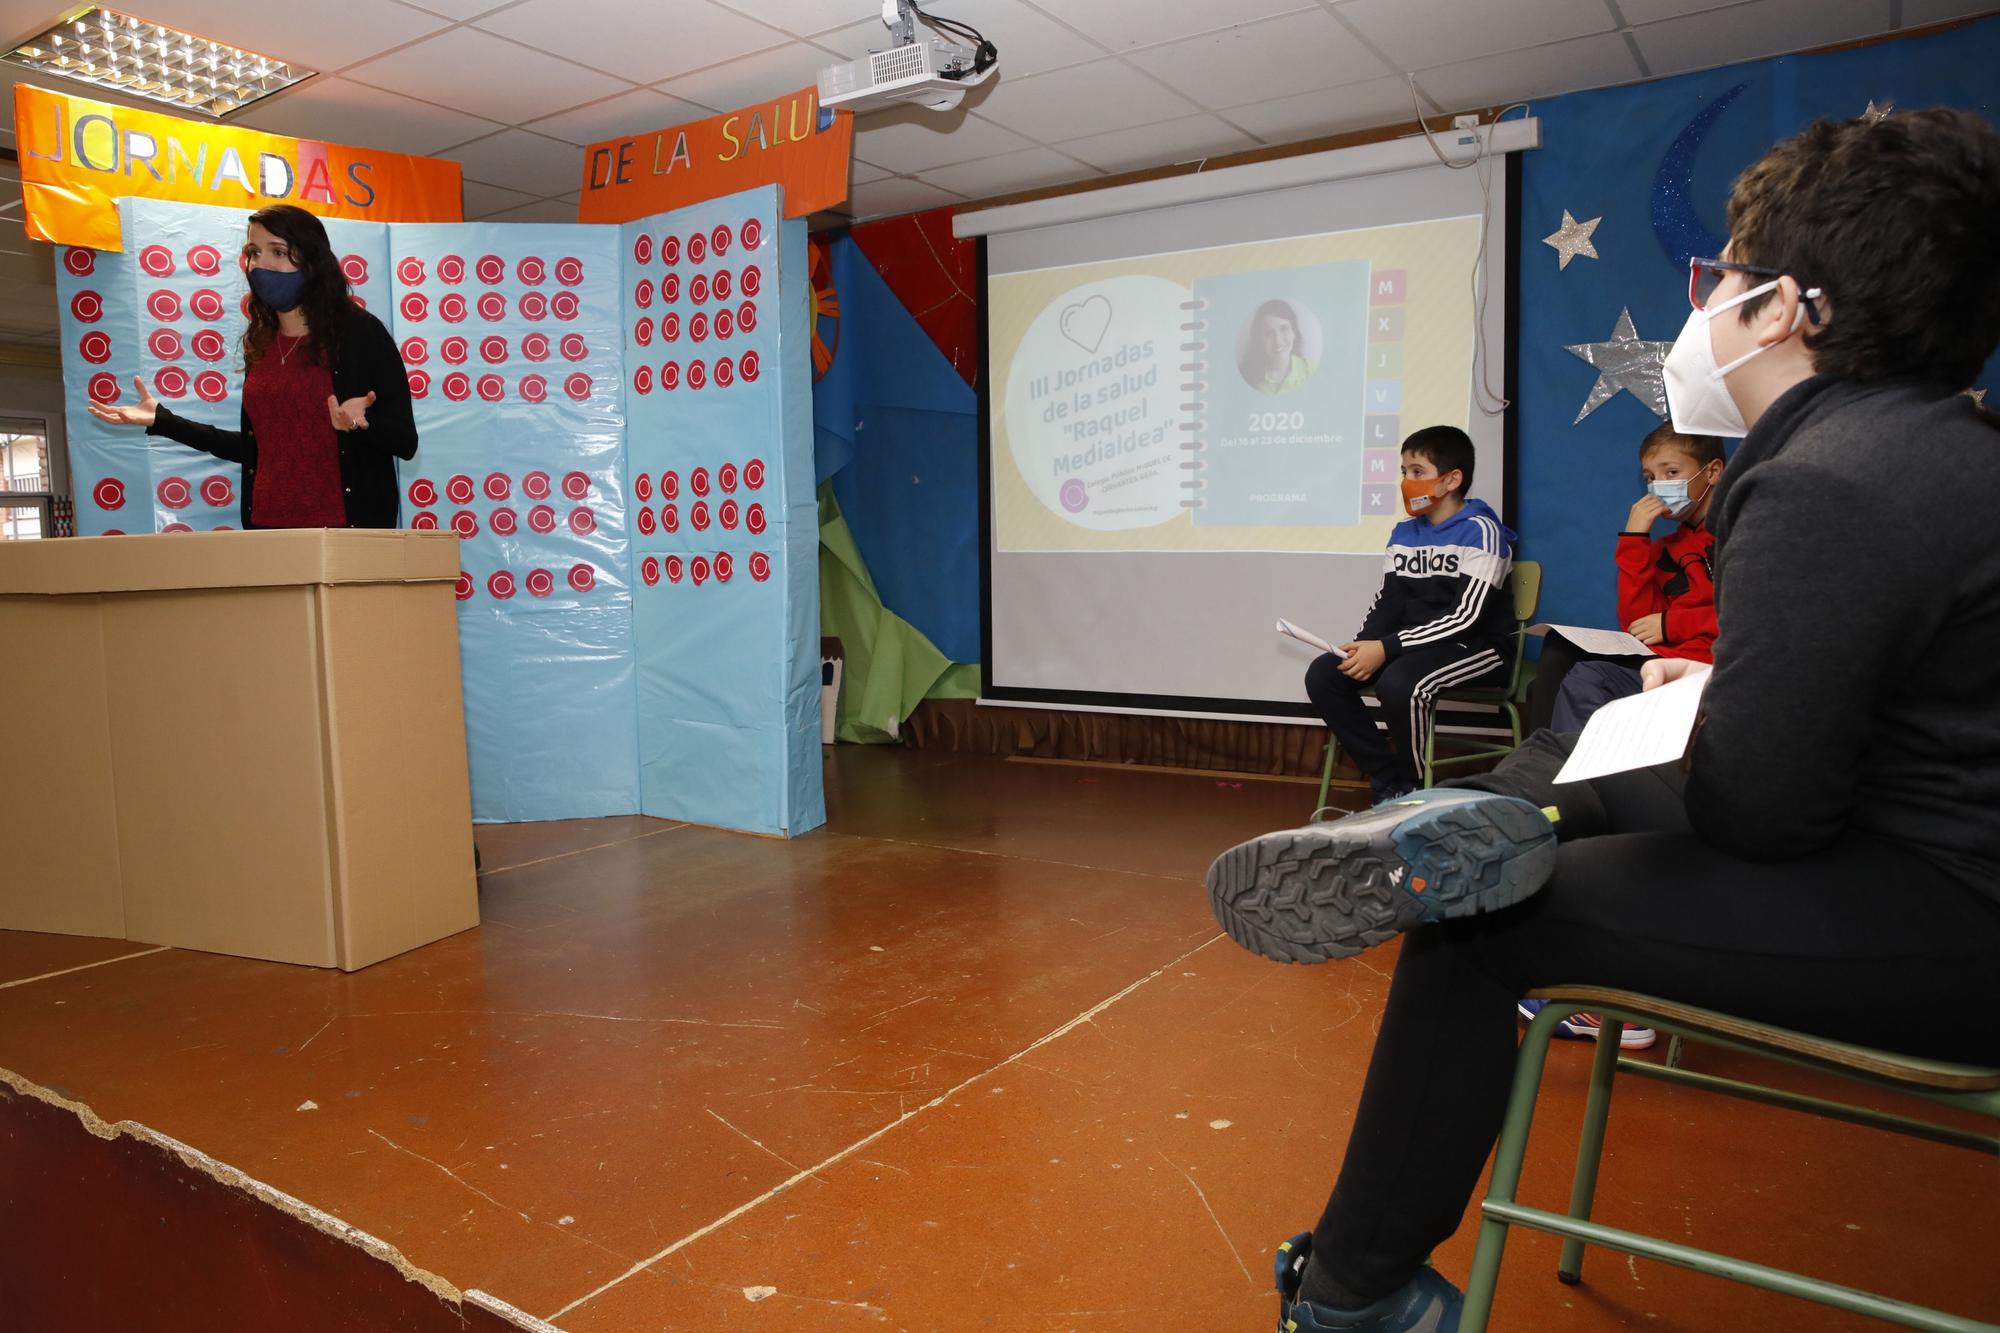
[1590, 1147]
[1676, 1048]
[1507, 1157]
[1326, 773]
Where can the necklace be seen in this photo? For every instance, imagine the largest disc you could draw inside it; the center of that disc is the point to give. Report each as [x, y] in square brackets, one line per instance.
[285, 349]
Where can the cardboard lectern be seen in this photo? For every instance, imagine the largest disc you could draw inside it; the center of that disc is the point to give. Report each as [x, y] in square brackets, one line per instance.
[251, 743]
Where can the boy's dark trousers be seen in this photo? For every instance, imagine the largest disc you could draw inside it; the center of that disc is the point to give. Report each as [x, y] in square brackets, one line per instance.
[1407, 687]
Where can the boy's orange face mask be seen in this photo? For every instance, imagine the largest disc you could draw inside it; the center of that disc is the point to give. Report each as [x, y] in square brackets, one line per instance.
[1420, 493]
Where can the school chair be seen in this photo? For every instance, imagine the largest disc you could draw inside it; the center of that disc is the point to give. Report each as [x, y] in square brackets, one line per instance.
[1962, 1087]
[1524, 585]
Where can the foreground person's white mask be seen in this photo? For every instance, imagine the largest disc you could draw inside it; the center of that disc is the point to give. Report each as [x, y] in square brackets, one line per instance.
[1697, 399]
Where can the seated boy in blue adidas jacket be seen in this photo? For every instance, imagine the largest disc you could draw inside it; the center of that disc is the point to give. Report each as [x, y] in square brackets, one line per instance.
[1441, 619]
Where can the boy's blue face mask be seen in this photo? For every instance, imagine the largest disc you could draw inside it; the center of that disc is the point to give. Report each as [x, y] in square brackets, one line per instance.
[1674, 495]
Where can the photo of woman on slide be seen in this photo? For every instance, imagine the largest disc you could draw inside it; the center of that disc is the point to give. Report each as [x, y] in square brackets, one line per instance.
[1274, 352]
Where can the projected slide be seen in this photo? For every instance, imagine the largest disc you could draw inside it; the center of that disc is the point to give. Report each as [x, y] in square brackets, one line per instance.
[1241, 398]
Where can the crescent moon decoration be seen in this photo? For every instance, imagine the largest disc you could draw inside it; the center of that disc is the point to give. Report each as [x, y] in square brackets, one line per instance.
[1679, 228]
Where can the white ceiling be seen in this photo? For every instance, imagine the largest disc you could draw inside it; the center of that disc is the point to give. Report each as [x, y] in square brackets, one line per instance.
[1086, 88]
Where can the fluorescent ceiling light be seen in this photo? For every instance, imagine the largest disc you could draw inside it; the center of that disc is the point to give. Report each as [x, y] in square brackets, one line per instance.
[125, 54]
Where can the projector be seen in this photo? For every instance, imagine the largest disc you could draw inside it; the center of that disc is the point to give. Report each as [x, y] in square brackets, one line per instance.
[929, 72]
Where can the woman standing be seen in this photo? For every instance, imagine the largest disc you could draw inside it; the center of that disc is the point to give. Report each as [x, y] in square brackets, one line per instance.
[326, 397]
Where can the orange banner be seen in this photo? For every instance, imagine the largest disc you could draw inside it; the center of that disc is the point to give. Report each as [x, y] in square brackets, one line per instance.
[78, 157]
[782, 143]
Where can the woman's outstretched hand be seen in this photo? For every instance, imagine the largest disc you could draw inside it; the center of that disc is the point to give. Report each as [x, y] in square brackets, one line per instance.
[140, 414]
[352, 414]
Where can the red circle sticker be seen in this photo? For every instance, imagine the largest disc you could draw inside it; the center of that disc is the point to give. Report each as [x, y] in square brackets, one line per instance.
[724, 566]
[492, 388]
[642, 332]
[747, 365]
[698, 515]
[205, 260]
[531, 271]
[725, 476]
[502, 521]
[165, 344]
[540, 582]
[697, 248]
[164, 306]
[81, 263]
[642, 380]
[464, 587]
[721, 285]
[104, 388]
[642, 248]
[490, 268]
[420, 384]
[760, 566]
[175, 493]
[170, 382]
[534, 388]
[753, 234]
[542, 519]
[577, 386]
[753, 518]
[217, 491]
[697, 375]
[410, 271]
[753, 280]
[534, 306]
[110, 492]
[564, 305]
[574, 348]
[725, 323]
[753, 474]
[492, 307]
[670, 288]
[535, 485]
[670, 517]
[728, 513]
[465, 523]
[698, 481]
[670, 485]
[243, 306]
[493, 349]
[698, 288]
[87, 307]
[95, 347]
[424, 521]
[458, 386]
[157, 261]
[176, 527]
[746, 316]
[670, 375]
[576, 485]
[670, 250]
[698, 326]
[501, 584]
[642, 486]
[582, 577]
[459, 489]
[645, 521]
[209, 346]
[535, 346]
[423, 493]
[718, 240]
[416, 351]
[724, 372]
[670, 327]
[642, 295]
[569, 271]
[451, 306]
[451, 269]
[649, 570]
[675, 566]
[582, 521]
[210, 386]
[498, 486]
[354, 268]
[698, 567]
[455, 349]
[415, 306]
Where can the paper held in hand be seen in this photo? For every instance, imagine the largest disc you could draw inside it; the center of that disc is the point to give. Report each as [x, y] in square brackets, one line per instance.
[1638, 731]
[1306, 636]
[1603, 642]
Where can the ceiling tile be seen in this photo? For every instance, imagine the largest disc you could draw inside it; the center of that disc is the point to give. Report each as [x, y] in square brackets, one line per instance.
[761, 78]
[860, 173]
[342, 111]
[1539, 71]
[1029, 169]
[1412, 37]
[457, 9]
[640, 111]
[888, 198]
[1103, 96]
[1120, 25]
[486, 76]
[909, 140]
[1357, 106]
[1652, 11]
[1917, 13]
[1276, 58]
[321, 37]
[542, 210]
[641, 42]
[1029, 41]
[804, 18]
[1185, 140]
[519, 160]
[1761, 28]
[485, 200]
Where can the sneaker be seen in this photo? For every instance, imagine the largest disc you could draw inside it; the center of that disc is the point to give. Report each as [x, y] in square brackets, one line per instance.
[1425, 1304]
[1582, 1027]
[1288, 1270]
[1306, 895]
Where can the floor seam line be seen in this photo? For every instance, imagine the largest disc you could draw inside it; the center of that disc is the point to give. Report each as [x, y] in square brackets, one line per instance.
[594, 847]
[84, 967]
[1009, 856]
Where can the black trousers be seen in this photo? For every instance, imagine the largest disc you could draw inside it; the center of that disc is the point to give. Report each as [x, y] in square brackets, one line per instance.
[1851, 943]
[1405, 688]
[1559, 657]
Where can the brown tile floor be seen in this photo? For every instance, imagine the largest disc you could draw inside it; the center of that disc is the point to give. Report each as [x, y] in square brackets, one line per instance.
[974, 1056]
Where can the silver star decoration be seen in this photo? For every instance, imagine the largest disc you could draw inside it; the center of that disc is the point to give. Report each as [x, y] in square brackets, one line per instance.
[1875, 113]
[1978, 396]
[1572, 239]
[1624, 362]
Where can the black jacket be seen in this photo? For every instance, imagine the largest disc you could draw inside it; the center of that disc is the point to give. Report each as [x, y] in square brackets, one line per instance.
[365, 360]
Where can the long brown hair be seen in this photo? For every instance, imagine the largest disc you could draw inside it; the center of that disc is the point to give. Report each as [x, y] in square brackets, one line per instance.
[326, 298]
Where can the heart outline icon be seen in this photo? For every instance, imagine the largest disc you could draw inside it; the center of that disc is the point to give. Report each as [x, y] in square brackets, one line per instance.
[1085, 322]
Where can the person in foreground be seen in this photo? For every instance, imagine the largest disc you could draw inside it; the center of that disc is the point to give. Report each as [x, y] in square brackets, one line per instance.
[326, 397]
[1828, 857]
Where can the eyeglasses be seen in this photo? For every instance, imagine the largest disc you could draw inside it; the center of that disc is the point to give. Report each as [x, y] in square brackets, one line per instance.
[1705, 275]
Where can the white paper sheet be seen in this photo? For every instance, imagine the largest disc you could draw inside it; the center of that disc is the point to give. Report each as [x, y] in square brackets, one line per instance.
[1306, 636]
[1603, 642]
[1637, 732]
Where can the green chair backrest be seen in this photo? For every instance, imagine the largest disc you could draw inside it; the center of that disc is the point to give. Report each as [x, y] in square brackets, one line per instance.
[1527, 584]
